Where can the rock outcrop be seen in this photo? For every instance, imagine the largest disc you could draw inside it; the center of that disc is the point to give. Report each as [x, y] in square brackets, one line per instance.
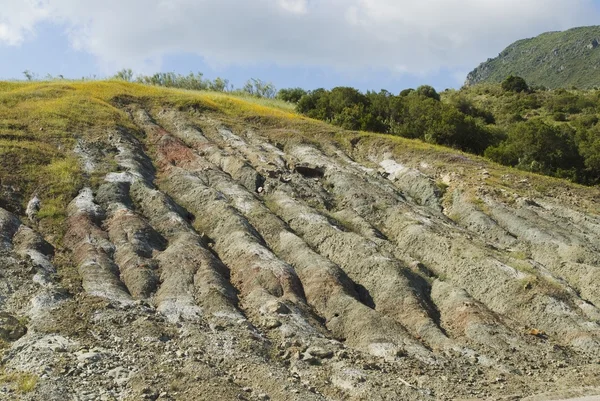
[219, 262]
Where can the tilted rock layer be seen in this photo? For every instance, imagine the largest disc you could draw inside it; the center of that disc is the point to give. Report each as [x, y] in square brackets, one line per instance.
[221, 260]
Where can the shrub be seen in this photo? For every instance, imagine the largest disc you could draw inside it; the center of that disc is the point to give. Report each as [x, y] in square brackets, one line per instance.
[126, 74]
[428, 91]
[515, 84]
[314, 104]
[587, 120]
[564, 103]
[589, 148]
[538, 147]
[259, 88]
[292, 95]
[467, 107]
[559, 116]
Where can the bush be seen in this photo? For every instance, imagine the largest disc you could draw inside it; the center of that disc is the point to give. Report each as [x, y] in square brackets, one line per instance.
[559, 116]
[515, 84]
[428, 91]
[467, 107]
[526, 136]
[456, 130]
[126, 74]
[589, 148]
[314, 104]
[292, 95]
[328, 105]
[587, 120]
[356, 117]
[259, 88]
[564, 103]
[538, 147]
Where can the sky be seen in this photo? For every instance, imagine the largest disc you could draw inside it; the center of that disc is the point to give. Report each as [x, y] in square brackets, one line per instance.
[366, 44]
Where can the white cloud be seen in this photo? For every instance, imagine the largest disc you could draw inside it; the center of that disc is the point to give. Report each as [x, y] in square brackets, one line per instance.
[18, 18]
[400, 36]
[294, 6]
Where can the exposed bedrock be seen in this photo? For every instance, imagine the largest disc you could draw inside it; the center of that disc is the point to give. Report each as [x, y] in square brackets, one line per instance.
[319, 276]
[92, 250]
[450, 251]
[262, 258]
[9, 225]
[566, 248]
[270, 290]
[264, 281]
[193, 280]
[375, 209]
[158, 251]
[383, 282]
[326, 285]
[134, 239]
[502, 287]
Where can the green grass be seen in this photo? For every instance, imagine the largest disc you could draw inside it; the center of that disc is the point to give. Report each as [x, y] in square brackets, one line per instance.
[523, 266]
[22, 381]
[442, 187]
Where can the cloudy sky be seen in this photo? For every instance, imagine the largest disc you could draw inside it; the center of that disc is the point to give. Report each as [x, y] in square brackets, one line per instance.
[368, 44]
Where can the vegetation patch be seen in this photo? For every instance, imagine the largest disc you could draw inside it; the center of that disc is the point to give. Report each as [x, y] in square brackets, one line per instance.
[23, 382]
[554, 133]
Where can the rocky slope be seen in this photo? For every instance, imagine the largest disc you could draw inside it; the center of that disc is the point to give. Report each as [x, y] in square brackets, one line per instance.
[218, 254]
[553, 59]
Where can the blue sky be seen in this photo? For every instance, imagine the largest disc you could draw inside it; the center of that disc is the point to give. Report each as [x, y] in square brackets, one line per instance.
[367, 44]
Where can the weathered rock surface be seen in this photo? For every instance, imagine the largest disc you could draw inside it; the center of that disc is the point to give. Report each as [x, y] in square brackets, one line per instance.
[213, 262]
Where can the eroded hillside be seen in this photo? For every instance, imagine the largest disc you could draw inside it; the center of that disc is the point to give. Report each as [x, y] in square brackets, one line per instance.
[197, 246]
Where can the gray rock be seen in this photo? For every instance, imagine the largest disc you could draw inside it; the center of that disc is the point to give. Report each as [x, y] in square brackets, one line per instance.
[33, 207]
[319, 352]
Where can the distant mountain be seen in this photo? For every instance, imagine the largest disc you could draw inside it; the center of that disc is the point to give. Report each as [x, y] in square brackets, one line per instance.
[552, 59]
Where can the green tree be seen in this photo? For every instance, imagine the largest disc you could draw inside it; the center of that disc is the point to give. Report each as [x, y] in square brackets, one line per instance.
[384, 108]
[314, 104]
[259, 88]
[126, 74]
[218, 85]
[29, 75]
[428, 91]
[589, 148]
[467, 107]
[515, 84]
[342, 97]
[291, 95]
[538, 147]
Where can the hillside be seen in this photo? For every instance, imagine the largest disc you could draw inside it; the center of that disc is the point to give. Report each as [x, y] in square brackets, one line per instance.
[551, 132]
[553, 60]
[177, 245]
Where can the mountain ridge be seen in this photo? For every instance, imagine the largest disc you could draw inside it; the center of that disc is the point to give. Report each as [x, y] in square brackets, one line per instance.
[557, 59]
